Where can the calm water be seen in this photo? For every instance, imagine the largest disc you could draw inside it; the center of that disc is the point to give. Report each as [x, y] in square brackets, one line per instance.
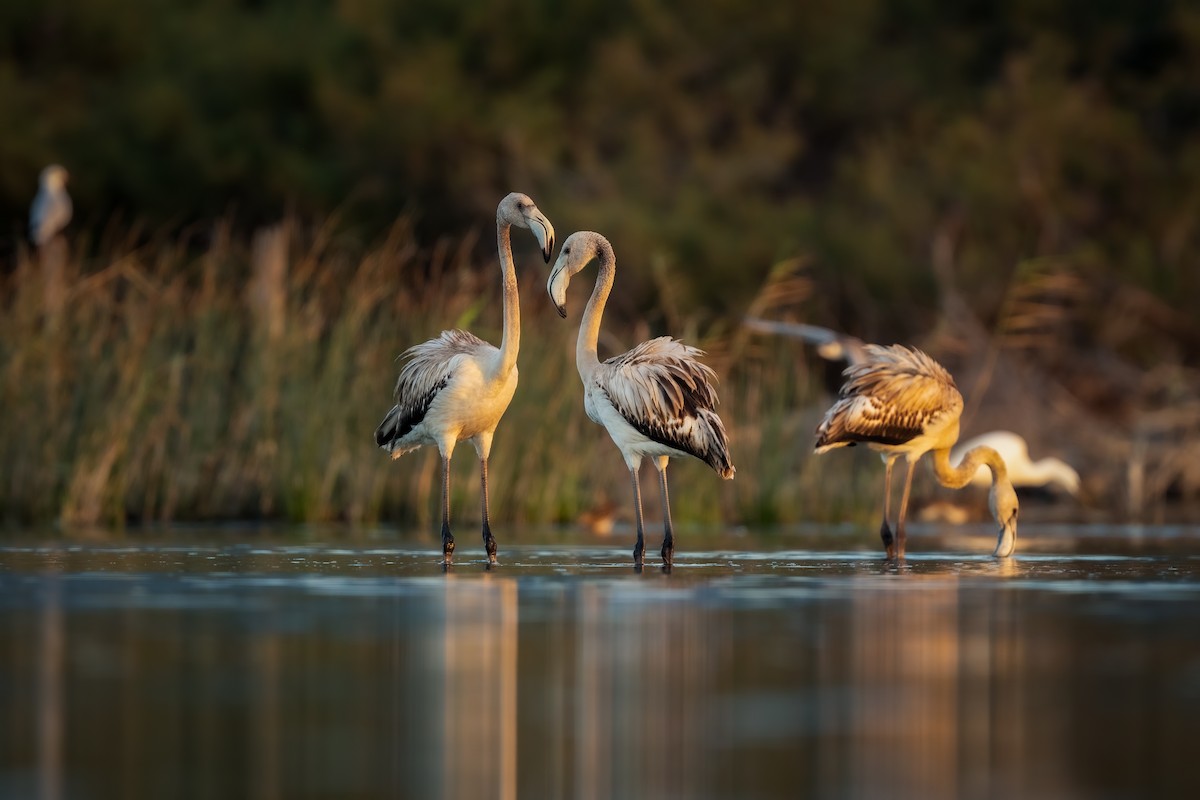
[201, 666]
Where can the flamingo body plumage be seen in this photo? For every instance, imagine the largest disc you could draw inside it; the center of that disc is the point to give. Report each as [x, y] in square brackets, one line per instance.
[657, 400]
[449, 390]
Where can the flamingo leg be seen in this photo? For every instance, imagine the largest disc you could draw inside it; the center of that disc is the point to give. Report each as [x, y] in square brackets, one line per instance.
[489, 541]
[447, 536]
[639, 549]
[885, 532]
[668, 545]
[901, 535]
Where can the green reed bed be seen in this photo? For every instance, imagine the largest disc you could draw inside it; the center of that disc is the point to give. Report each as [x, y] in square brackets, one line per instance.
[244, 380]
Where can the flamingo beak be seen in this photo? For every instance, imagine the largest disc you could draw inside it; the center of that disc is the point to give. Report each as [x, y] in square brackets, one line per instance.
[1006, 542]
[544, 231]
[556, 287]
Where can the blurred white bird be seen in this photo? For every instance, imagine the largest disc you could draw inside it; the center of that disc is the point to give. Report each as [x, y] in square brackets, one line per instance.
[51, 209]
[1022, 470]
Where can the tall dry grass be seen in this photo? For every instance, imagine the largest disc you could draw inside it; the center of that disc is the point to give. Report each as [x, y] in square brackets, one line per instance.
[244, 380]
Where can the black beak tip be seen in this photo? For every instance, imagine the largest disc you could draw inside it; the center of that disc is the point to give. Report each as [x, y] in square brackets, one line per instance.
[562, 312]
[548, 251]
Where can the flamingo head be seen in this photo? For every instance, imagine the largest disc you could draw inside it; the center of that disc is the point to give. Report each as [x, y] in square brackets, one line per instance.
[520, 210]
[577, 252]
[1002, 502]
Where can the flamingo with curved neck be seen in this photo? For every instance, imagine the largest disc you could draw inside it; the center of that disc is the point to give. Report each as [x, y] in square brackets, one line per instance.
[656, 401]
[457, 387]
[900, 402]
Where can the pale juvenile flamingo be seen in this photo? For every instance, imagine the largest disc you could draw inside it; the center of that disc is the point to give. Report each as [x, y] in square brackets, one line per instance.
[900, 402]
[657, 400]
[51, 209]
[457, 386]
[1022, 470]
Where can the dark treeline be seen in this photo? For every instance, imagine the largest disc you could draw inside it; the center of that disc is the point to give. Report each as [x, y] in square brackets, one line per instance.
[708, 139]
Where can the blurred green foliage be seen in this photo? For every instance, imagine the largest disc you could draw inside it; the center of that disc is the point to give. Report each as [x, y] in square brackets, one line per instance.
[709, 140]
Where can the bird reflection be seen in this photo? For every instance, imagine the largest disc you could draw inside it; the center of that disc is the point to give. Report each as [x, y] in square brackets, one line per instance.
[478, 651]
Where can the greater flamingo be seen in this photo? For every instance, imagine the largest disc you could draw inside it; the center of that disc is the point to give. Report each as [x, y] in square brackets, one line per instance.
[900, 402]
[457, 386]
[656, 400]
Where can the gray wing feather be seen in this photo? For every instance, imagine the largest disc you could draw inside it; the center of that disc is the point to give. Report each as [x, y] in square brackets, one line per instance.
[663, 390]
[428, 368]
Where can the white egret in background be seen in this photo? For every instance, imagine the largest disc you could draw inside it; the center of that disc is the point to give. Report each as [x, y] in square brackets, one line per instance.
[51, 209]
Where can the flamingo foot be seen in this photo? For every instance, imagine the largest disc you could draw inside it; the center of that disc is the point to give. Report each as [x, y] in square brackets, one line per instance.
[889, 541]
[668, 554]
[447, 546]
[489, 544]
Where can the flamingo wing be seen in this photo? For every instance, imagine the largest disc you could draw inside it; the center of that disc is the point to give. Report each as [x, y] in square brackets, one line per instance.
[892, 398]
[663, 391]
[428, 369]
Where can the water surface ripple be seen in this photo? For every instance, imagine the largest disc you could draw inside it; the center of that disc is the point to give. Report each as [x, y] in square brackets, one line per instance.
[359, 669]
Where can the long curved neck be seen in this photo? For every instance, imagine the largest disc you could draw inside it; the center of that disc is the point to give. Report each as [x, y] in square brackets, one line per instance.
[511, 341]
[960, 476]
[586, 356]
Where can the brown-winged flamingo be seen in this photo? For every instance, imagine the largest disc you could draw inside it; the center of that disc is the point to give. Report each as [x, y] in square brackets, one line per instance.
[900, 402]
